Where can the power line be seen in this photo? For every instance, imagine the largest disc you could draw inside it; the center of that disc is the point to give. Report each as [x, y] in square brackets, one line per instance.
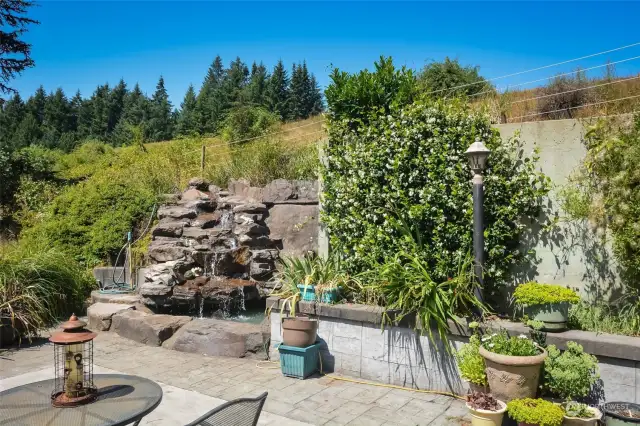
[558, 75]
[536, 69]
[574, 90]
[576, 107]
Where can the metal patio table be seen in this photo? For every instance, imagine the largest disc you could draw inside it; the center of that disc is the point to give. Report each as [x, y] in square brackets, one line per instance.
[121, 400]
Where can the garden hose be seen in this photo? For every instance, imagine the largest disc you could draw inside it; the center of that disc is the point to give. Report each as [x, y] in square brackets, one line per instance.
[362, 382]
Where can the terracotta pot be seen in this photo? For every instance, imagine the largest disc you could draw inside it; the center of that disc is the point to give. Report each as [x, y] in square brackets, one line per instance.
[577, 421]
[513, 377]
[299, 332]
[487, 418]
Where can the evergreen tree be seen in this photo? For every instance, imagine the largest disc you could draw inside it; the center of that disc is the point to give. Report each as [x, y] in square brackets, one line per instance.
[257, 87]
[74, 110]
[136, 107]
[12, 113]
[278, 92]
[57, 118]
[316, 97]
[84, 116]
[160, 125]
[297, 94]
[15, 54]
[187, 120]
[100, 113]
[35, 105]
[28, 132]
[211, 102]
[235, 83]
[116, 105]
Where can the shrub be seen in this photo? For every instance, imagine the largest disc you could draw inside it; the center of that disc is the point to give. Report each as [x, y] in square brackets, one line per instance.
[386, 153]
[39, 287]
[603, 318]
[471, 363]
[503, 344]
[569, 374]
[248, 122]
[535, 412]
[442, 77]
[564, 94]
[539, 294]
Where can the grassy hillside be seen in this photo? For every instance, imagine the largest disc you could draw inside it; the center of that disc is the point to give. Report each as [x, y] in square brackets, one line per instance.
[106, 192]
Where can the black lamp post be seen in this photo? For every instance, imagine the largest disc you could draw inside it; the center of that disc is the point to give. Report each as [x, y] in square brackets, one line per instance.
[478, 154]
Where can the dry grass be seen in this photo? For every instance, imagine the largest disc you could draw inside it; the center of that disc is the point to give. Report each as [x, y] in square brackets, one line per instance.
[512, 106]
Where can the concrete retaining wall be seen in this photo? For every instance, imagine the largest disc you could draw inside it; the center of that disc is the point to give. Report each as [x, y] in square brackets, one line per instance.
[354, 344]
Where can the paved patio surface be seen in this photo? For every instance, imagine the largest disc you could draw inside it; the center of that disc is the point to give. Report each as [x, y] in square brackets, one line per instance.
[194, 384]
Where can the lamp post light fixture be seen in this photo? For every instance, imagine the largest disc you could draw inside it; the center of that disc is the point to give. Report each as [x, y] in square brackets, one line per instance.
[477, 154]
[73, 358]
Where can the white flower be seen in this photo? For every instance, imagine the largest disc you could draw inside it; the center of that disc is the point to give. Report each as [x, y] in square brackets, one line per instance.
[491, 345]
[522, 336]
[485, 338]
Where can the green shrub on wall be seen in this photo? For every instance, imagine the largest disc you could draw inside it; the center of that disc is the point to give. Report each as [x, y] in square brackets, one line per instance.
[404, 160]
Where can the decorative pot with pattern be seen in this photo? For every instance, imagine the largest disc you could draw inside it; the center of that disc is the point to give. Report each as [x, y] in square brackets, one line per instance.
[513, 377]
[579, 421]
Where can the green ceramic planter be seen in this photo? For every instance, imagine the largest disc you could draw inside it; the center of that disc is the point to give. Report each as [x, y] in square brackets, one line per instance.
[554, 315]
[615, 418]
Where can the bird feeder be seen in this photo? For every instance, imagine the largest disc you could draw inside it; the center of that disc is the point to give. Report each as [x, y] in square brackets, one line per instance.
[73, 358]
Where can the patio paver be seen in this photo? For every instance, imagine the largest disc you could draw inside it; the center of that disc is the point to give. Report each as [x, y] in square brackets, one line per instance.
[198, 383]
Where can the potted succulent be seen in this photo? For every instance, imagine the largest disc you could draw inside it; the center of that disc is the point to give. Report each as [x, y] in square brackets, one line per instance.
[569, 374]
[485, 410]
[622, 413]
[535, 412]
[471, 363]
[546, 302]
[577, 414]
[513, 365]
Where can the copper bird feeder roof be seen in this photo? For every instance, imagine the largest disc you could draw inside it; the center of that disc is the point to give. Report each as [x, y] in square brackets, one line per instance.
[73, 331]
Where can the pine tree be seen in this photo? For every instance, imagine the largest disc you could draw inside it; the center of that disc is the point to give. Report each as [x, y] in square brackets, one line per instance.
[297, 94]
[257, 87]
[211, 102]
[235, 83]
[84, 116]
[136, 107]
[15, 54]
[187, 120]
[116, 105]
[75, 105]
[11, 115]
[160, 126]
[57, 118]
[317, 105]
[100, 113]
[28, 132]
[278, 92]
[35, 105]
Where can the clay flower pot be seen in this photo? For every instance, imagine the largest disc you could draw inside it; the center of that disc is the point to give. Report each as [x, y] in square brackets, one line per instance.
[513, 377]
[578, 421]
[299, 332]
[486, 417]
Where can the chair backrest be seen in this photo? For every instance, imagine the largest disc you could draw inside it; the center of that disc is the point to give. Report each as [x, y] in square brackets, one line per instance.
[239, 412]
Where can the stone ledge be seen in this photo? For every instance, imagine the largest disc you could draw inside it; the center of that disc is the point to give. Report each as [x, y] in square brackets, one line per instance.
[599, 344]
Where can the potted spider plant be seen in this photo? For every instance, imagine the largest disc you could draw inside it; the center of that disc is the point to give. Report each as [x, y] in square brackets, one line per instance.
[485, 410]
[547, 303]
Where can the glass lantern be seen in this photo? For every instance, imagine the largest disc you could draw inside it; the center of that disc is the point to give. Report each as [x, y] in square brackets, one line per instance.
[73, 358]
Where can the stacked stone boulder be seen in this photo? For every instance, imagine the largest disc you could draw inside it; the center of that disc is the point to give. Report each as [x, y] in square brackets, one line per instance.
[211, 245]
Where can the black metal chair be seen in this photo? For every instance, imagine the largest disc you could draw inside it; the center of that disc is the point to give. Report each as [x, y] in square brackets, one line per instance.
[239, 412]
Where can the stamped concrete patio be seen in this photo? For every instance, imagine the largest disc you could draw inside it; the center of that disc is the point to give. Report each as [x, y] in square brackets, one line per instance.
[194, 384]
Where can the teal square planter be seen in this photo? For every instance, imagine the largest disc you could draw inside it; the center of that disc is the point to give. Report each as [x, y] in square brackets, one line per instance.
[308, 294]
[299, 362]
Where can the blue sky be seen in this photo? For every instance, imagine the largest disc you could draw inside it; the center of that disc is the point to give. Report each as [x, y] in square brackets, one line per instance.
[81, 44]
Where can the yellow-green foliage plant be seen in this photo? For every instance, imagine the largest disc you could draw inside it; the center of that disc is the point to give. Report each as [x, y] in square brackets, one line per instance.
[535, 412]
[471, 363]
[534, 293]
[569, 374]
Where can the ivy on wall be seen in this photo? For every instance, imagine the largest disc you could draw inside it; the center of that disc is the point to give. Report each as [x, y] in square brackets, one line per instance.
[404, 160]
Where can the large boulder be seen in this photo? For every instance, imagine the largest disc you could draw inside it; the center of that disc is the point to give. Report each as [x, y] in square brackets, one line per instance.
[231, 262]
[207, 220]
[100, 314]
[149, 329]
[166, 251]
[282, 191]
[218, 338]
[169, 228]
[199, 184]
[296, 226]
